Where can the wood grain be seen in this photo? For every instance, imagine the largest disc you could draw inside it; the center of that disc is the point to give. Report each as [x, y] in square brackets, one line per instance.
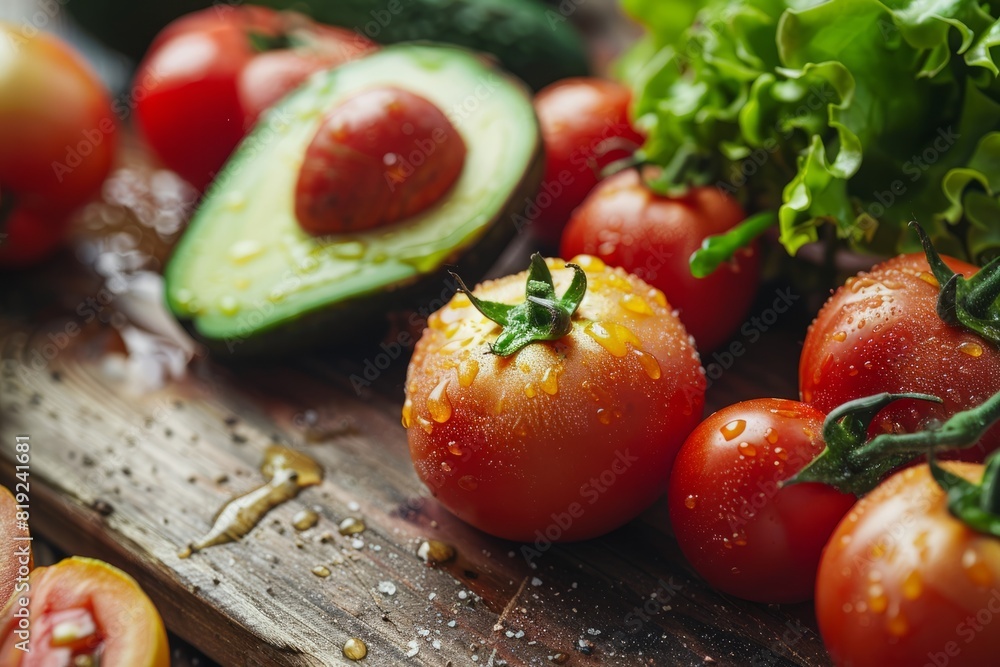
[131, 478]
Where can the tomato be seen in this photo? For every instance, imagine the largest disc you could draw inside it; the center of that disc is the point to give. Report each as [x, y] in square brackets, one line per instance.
[741, 532]
[585, 127]
[15, 541]
[881, 332]
[82, 608]
[380, 156]
[209, 75]
[628, 225]
[565, 437]
[57, 141]
[903, 582]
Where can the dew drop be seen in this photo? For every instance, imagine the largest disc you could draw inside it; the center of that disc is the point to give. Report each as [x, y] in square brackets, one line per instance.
[746, 449]
[612, 337]
[971, 349]
[604, 416]
[455, 448]
[636, 304]
[733, 429]
[351, 526]
[690, 502]
[407, 413]
[445, 467]
[781, 453]
[530, 391]
[772, 437]
[467, 372]
[649, 364]
[435, 552]
[913, 585]
[589, 263]
[321, 571]
[550, 381]
[438, 403]
[468, 483]
[304, 519]
[425, 424]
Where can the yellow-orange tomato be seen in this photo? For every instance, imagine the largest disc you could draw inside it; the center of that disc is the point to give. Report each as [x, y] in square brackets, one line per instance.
[82, 608]
[564, 439]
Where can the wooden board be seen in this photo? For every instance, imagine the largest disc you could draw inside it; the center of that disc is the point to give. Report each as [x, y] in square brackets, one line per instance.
[132, 476]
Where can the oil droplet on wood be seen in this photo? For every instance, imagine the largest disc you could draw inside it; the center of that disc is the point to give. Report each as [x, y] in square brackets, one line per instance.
[690, 502]
[468, 482]
[467, 372]
[612, 337]
[649, 364]
[746, 449]
[304, 519]
[435, 552]
[733, 429]
[407, 413]
[971, 349]
[351, 526]
[550, 381]
[636, 304]
[286, 471]
[355, 649]
[438, 403]
[559, 658]
[321, 571]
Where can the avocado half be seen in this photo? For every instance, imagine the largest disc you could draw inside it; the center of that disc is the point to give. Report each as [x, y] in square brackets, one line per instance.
[246, 279]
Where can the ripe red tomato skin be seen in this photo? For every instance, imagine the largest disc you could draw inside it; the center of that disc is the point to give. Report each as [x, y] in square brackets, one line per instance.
[526, 464]
[881, 332]
[200, 87]
[902, 552]
[626, 224]
[579, 117]
[30, 237]
[345, 184]
[741, 532]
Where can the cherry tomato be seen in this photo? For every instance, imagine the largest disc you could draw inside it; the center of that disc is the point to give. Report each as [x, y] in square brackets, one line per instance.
[585, 127]
[209, 75]
[881, 332]
[903, 582]
[83, 609]
[738, 529]
[16, 558]
[628, 225]
[57, 141]
[380, 156]
[563, 439]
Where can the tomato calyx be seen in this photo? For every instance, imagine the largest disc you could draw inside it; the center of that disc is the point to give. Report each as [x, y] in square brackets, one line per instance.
[541, 316]
[972, 303]
[976, 505]
[850, 463]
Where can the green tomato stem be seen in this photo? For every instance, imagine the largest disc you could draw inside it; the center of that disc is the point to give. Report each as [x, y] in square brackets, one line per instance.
[541, 316]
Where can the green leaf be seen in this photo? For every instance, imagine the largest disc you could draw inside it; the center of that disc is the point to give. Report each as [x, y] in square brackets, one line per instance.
[720, 248]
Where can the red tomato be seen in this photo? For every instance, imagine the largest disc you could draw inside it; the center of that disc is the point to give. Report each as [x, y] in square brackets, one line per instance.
[83, 611]
[739, 530]
[585, 127]
[881, 332]
[209, 75]
[57, 141]
[380, 156]
[903, 582]
[564, 439]
[628, 225]
[16, 560]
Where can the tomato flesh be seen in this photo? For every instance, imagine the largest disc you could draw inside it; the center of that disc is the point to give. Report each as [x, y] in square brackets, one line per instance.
[881, 332]
[628, 225]
[379, 157]
[903, 582]
[742, 532]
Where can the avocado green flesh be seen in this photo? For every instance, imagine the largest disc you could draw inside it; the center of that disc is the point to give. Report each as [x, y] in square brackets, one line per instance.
[245, 265]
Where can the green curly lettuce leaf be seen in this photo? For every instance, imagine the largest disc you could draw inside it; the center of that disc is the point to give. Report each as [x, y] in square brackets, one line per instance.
[858, 114]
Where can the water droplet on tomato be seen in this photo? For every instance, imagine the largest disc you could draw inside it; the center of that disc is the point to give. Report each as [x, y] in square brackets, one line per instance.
[690, 502]
[529, 390]
[550, 380]
[733, 429]
[929, 278]
[467, 372]
[425, 424]
[877, 599]
[746, 449]
[976, 569]
[971, 349]
[913, 585]
[612, 337]
[438, 403]
[772, 437]
[445, 467]
[604, 416]
[468, 483]
[781, 453]
[636, 304]
[407, 413]
[455, 448]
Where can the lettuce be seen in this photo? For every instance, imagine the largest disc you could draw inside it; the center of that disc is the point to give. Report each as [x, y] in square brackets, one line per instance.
[853, 114]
